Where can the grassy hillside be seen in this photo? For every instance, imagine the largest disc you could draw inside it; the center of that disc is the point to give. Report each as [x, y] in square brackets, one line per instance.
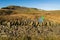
[22, 23]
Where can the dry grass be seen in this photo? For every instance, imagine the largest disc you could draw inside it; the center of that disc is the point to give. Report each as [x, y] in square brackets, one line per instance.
[22, 24]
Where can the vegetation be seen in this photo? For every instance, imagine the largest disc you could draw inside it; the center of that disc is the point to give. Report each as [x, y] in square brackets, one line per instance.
[16, 24]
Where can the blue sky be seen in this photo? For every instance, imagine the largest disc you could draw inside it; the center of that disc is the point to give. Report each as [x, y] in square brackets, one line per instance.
[40, 4]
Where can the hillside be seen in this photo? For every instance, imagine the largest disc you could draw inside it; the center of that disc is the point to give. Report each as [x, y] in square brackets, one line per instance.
[22, 23]
[24, 11]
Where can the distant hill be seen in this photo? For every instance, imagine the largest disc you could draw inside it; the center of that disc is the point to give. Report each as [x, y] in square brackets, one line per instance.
[11, 7]
[19, 9]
